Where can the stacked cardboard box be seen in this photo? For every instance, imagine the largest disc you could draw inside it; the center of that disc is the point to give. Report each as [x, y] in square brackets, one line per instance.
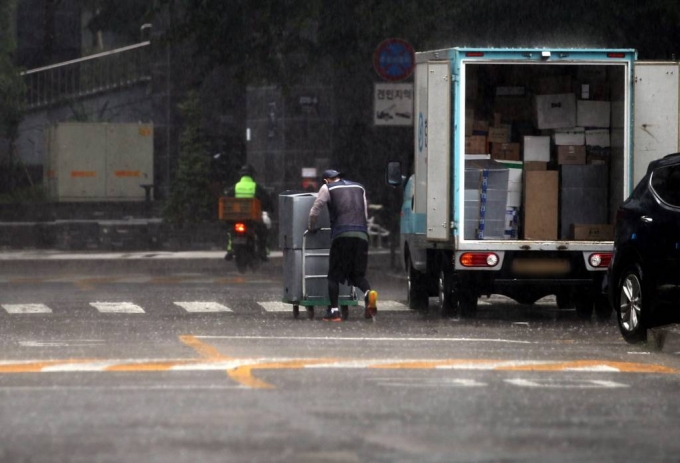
[583, 196]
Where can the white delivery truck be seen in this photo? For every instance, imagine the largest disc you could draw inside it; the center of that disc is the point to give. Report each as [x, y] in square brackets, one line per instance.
[521, 158]
[656, 113]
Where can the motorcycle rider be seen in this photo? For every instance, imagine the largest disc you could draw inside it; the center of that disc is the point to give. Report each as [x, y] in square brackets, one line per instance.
[247, 187]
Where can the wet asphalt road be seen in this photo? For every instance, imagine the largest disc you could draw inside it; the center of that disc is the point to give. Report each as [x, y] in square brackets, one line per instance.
[125, 363]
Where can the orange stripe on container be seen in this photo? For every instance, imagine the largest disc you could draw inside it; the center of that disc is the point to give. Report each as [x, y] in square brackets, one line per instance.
[127, 173]
[83, 173]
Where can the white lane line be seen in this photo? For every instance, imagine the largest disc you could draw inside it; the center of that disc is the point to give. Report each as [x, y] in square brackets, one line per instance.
[117, 307]
[196, 307]
[26, 308]
[565, 384]
[276, 306]
[90, 366]
[74, 342]
[370, 339]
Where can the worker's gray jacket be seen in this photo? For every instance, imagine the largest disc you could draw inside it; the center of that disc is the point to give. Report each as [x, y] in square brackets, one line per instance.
[347, 207]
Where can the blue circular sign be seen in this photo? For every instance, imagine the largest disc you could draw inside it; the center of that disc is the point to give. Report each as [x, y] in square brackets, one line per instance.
[394, 59]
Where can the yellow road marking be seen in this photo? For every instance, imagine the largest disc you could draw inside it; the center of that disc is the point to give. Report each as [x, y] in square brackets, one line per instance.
[243, 374]
[205, 350]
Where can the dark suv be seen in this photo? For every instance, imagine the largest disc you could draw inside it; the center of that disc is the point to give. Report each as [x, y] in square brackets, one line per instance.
[644, 274]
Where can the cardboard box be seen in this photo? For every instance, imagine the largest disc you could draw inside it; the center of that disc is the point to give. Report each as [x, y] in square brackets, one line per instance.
[555, 111]
[591, 113]
[514, 108]
[572, 136]
[535, 165]
[476, 144]
[571, 154]
[592, 232]
[505, 151]
[598, 137]
[537, 149]
[540, 205]
[600, 157]
[499, 135]
[593, 91]
[515, 174]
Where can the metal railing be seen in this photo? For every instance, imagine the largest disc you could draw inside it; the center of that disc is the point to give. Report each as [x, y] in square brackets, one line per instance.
[87, 76]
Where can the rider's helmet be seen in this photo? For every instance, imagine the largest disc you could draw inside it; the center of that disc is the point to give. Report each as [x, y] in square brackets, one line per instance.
[247, 170]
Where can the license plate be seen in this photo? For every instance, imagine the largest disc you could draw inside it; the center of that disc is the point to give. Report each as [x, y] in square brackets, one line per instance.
[541, 266]
[240, 240]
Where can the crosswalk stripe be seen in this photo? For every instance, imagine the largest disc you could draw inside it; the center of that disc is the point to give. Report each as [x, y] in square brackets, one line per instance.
[117, 307]
[383, 306]
[195, 307]
[26, 308]
[276, 306]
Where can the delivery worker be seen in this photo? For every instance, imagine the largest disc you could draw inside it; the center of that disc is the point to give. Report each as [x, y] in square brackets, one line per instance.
[248, 188]
[346, 202]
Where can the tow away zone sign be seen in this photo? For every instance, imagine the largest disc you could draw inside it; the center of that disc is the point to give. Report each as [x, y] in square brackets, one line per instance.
[393, 104]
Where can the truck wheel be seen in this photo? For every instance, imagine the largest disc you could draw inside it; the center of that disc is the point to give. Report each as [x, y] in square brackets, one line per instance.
[468, 304]
[631, 306]
[564, 300]
[417, 292]
[448, 302]
[603, 310]
[584, 306]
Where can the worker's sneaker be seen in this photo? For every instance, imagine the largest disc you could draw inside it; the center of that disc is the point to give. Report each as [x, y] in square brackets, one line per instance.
[332, 315]
[371, 301]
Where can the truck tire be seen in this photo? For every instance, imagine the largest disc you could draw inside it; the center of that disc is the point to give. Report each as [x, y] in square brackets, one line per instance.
[467, 303]
[448, 301]
[603, 310]
[584, 306]
[416, 289]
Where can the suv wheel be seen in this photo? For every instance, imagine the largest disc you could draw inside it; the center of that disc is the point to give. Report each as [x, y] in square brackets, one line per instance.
[630, 306]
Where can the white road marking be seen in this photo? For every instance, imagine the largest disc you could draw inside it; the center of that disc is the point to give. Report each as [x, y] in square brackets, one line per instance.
[194, 307]
[566, 384]
[117, 307]
[383, 306]
[26, 308]
[277, 306]
[75, 342]
[593, 368]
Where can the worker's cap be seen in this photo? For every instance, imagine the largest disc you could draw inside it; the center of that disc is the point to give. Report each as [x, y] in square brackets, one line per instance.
[331, 173]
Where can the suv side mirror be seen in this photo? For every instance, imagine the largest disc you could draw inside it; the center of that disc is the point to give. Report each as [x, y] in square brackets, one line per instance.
[393, 174]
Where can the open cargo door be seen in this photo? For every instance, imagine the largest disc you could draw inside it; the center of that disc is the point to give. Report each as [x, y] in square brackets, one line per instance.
[438, 151]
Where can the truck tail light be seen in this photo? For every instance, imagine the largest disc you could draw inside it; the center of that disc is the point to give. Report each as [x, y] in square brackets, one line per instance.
[240, 227]
[479, 259]
[474, 54]
[616, 55]
[600, 259]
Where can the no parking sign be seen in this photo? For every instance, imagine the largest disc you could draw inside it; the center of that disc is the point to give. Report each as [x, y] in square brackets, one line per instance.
[394, 59]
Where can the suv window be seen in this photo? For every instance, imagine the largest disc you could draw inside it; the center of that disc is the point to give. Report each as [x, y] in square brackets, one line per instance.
[666, 184]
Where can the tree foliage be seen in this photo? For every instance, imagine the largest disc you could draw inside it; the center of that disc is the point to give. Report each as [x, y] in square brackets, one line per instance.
[191, 200]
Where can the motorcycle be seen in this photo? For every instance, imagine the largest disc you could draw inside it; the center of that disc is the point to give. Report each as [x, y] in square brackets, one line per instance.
[244, 220]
